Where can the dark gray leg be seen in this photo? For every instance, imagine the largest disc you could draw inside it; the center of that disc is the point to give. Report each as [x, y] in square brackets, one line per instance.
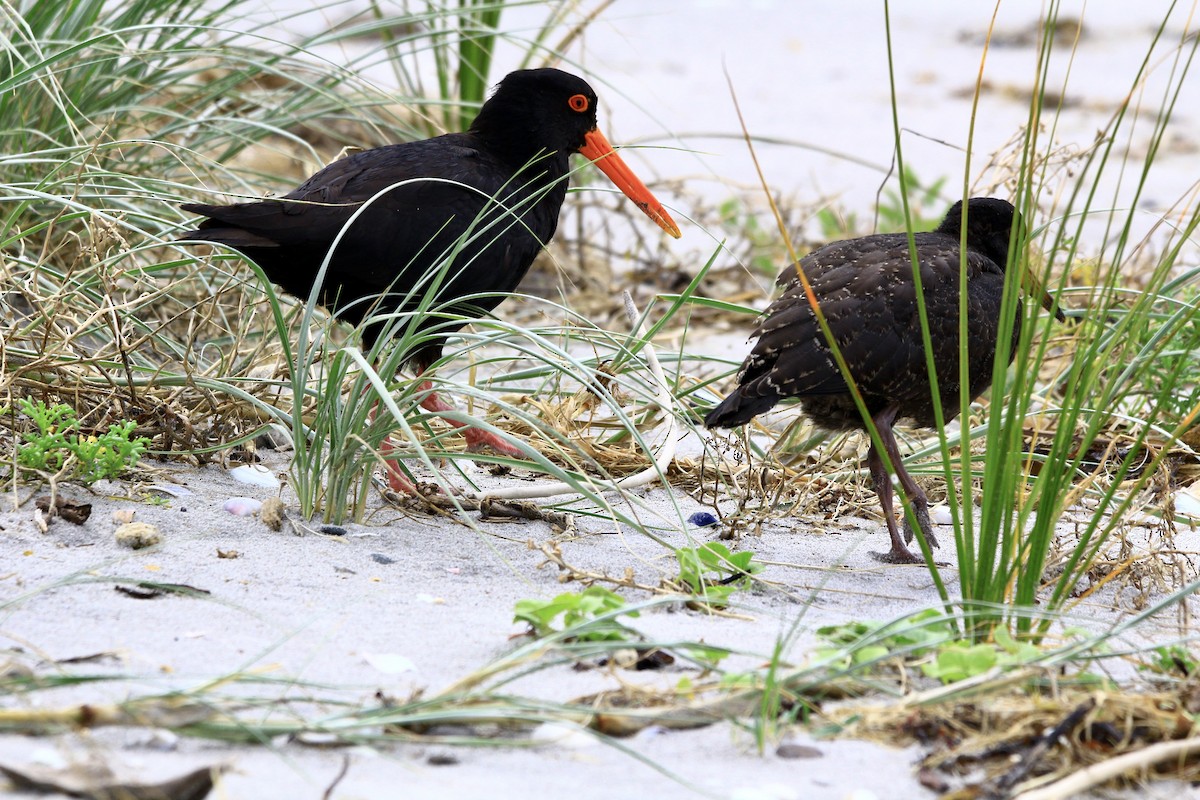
[899, 554]
[916, 496]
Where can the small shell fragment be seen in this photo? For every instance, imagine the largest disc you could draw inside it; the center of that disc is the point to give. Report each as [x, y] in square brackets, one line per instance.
[940, 515]
[136, 535]
[255, 475]
[1187, 502]
[243, 506]
[390, 663]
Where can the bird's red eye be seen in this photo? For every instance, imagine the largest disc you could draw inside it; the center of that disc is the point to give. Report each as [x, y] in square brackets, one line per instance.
[578, 102]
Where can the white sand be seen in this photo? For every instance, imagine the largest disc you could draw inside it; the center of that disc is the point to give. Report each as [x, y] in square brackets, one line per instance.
[324, 608]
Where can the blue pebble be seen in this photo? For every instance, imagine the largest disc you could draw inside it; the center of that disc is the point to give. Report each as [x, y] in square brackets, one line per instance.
[702, 519]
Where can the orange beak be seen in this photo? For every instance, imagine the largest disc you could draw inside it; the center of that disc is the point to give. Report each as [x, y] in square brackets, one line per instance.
[597, 150]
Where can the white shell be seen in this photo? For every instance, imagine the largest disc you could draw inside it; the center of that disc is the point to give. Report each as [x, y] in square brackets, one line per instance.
[563, 734]
[243, 506]
[940, 515]
[1187, 502]
[390, 663]
[255, 475]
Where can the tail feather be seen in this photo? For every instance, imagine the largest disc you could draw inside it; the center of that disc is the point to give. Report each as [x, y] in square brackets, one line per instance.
[739, 408]
[236, 238]
[217, 230]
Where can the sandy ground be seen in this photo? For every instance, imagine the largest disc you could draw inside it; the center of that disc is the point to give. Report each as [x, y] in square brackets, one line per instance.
[346, 610]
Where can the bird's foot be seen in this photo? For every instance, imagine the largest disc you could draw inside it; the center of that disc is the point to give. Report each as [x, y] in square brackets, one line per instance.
[899, 554]
[399, 484]
[402, 491]
[926, 525]
[397, 481]
[480, 441]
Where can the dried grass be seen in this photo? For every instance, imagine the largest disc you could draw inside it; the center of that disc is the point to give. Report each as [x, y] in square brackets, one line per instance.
[1002, 742]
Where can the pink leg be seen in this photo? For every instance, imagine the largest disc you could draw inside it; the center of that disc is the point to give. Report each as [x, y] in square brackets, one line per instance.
[397, 481]
[477, 440]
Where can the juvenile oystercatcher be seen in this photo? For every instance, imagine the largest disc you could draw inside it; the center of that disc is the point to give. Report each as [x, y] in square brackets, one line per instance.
[866, 291]
[456, 220]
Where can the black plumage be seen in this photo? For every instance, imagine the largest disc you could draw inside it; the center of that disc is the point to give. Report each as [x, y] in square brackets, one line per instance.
[866, 291]
[489, 198]
[459, 217]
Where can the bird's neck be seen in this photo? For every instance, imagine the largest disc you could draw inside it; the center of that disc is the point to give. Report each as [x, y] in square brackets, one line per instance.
[994, 245]
[535, 169]
[516, 144]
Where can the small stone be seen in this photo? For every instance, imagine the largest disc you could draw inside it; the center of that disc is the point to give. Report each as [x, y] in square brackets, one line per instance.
[332, 530]
[380, 558]
[702, 519]
[794, 750]
[69, 510]
[137, 535]
[273, 513]
[274, 438]
[123, 515]
[625, 657]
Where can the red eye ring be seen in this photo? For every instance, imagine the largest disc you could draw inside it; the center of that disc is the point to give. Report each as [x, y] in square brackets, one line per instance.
[578, 102]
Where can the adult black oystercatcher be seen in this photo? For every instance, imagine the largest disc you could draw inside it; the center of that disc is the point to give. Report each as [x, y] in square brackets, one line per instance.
[865, 289]
[461, 216]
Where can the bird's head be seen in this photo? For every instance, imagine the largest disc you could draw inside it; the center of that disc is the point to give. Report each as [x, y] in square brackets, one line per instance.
[992, 225]
[540, 108]
[538, 111]
[990, 222]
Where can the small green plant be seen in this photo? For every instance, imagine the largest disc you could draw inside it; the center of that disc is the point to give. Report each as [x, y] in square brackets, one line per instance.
[859, 642]
[765, 252]
[56, 447]
[960, 659]
[576, 609]
[928, 637]
[712, 573]
[1174, 660]
[925, 204]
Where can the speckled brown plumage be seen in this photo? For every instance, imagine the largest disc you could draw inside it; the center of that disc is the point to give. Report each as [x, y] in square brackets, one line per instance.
[865, 288]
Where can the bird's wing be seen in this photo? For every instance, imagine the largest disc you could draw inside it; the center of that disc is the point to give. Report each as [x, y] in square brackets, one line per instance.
[446, 184]
[316, 210]
[865, 290]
